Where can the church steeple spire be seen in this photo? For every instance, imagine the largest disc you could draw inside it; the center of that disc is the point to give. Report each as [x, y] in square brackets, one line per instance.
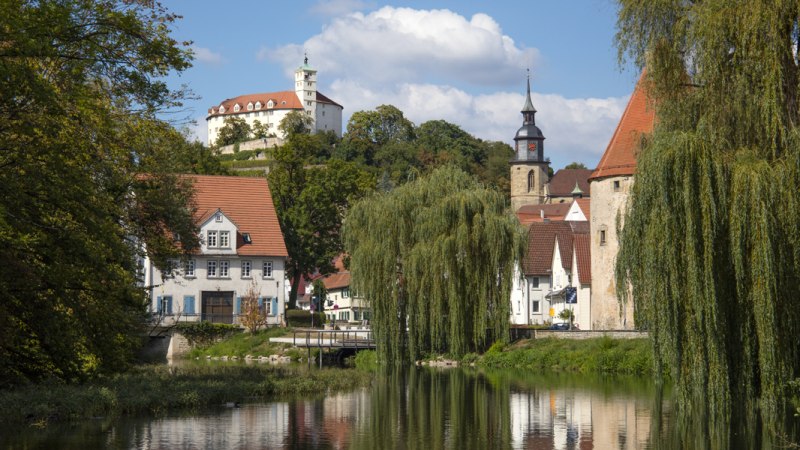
[528, 111]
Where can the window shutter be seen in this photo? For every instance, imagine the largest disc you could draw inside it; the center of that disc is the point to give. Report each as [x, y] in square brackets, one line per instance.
[237, 308]
[169, 305]
[158, 304]
[260, 302]
[274, 310]
[188, 304]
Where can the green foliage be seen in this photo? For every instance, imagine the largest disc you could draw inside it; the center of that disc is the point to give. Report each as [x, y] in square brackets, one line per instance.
[239, 164]
[601, 355]
[158, 390]
[203, 334]
[294, 123]
[311, 202]
[366, 360]
[234, 130]
[717, 182]
[299, 318]
[242, 155]
[436, 257]
[367, 131]
[232, 342]
[575, 165]
[81, 90]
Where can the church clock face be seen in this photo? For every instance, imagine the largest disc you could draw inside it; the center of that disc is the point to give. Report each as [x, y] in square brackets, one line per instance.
[532, 146]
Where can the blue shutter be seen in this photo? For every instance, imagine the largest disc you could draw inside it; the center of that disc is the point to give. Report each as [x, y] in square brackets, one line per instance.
[260, 302]
[188, 304]
[169, 305]
[158, 304]
[237, 308]
[274, 309]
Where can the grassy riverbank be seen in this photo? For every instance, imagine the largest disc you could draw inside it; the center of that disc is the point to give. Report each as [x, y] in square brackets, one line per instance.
[601, 355]
[156, 390]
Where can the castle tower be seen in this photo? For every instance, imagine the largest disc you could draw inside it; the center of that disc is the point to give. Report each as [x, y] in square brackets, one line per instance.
[305, 86]
[529, 170]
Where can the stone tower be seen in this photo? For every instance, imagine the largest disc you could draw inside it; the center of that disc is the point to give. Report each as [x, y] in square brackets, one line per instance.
[529, 170]
[305, 86]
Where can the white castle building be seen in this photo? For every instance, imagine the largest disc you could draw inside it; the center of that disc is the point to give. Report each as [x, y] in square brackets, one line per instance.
[270, 108]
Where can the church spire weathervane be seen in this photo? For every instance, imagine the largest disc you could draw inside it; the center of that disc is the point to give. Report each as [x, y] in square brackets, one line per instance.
[528, 111]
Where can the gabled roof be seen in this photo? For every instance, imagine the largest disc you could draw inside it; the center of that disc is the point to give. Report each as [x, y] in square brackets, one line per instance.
[638, 119]
[533, 213]
[337, 280]
[563, 182]
[282, 100]
[583, 256]
[542, 237]
[248, 203]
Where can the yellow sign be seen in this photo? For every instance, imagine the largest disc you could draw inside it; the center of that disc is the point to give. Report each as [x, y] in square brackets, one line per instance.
[552, 312]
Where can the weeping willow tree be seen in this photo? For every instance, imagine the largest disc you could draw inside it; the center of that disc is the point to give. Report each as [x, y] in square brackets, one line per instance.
[436, 257]
[718, 181]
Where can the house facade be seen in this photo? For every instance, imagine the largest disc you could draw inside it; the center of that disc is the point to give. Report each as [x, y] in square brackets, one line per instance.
[611, 183]
[269, 108]
[242, 250]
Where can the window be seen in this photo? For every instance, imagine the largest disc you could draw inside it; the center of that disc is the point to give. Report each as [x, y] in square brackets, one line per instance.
[164, 306]
[345, 292]
[535, 283]
[221, 109]
[602, 236]
[535, 306]
[531, 180]
[224, 269]
[356, 315]
[224, 239]
[246, 238]
[616, 185]
[258, 105]
[212, 239]
[246, 269]
[249, 106]
[218, 218]
[236, 108]
[270, 104]
[267, 269]
[188, 269]
[308, 102]
[212, 269]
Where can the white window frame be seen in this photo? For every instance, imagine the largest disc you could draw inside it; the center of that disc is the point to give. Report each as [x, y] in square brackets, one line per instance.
[346, 293]
[266, 270]
[188, 269]
[247, 268]
[225, 239]
[224, 269]
[211, 269]
[211, 238]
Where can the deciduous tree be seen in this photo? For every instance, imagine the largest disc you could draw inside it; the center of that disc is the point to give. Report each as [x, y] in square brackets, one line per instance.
[434, 257]
[235, 129]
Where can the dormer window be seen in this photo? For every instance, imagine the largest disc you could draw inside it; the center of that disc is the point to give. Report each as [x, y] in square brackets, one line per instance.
[250, 106]
[283, 102]
[236, 108]
[246, 238]
[224, 239]
[271, 104]
[218, 217]
[258, 105]
[221, 109]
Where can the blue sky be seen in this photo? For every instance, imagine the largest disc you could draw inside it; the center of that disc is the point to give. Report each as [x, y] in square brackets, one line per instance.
[461, 61]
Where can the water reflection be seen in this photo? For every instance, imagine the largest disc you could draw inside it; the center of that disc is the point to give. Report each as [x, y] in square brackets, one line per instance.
[427, 409]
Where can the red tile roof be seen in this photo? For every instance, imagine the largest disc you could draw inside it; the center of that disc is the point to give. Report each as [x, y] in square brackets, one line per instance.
[282, 100]
[533, 213]
[337, 280]
[583, 256]
[542, 237]
[248, 203]
[639, 117]
[583, 203]
[563, 182]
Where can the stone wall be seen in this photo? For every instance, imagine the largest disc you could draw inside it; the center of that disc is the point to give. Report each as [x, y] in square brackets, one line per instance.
[616, 334]
[178, 346]
[255, 144]
[607, 205]
[520, 195]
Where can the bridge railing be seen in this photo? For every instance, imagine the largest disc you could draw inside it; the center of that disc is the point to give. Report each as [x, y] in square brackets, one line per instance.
[333, 338]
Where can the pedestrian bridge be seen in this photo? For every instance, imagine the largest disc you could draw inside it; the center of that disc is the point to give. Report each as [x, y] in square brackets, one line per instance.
[356, 339]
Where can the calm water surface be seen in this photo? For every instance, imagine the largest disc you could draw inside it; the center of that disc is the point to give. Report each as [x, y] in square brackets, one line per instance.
[424, 409]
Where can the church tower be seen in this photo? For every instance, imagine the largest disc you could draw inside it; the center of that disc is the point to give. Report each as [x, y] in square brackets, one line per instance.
[529, 170]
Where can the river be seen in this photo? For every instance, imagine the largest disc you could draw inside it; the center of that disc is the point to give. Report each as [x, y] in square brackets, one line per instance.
[423, 408]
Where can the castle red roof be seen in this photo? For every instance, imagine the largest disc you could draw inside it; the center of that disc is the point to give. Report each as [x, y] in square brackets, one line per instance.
[282, 100]
[638, 119]
[247, 202]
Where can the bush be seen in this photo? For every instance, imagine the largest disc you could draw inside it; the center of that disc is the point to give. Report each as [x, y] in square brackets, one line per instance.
[300, 318]
[203, 334]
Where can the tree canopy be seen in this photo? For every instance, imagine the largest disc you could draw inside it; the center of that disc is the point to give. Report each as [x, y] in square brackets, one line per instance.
[434, 256]
[235, 129]
[80, 83]
[718, 183]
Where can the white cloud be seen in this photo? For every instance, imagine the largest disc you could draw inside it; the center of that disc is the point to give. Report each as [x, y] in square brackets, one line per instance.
[205, 55]
[409, 45]
[339, 7]
[426, 61]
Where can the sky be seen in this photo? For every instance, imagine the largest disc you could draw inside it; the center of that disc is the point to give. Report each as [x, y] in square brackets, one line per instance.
[463, 61]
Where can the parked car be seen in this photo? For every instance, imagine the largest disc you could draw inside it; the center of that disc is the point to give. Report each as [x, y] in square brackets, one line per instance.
[559, 326]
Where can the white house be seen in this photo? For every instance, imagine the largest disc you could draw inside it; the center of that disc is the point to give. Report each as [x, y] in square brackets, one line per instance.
[242, 248]
[557, 259]
[269, 108]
